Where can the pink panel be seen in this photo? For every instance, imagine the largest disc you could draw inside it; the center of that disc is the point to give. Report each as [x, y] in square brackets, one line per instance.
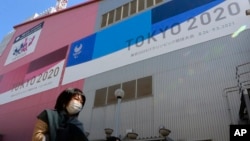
[17, 118]
[59, 30]
[17, 76]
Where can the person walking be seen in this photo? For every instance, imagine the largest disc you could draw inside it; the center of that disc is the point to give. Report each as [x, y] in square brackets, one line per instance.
[61, 123]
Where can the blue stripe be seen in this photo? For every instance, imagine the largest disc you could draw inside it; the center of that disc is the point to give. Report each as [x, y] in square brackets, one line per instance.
[176, 7]
[167, 23]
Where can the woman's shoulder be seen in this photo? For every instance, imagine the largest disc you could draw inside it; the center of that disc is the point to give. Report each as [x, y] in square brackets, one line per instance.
[45, 113]
[50, 110]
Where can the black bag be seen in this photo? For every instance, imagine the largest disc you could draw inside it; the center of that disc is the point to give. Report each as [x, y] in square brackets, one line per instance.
[70, 132]
[63, 134]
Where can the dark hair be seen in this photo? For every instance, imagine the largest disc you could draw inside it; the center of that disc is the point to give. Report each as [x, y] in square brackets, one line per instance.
[66, 95]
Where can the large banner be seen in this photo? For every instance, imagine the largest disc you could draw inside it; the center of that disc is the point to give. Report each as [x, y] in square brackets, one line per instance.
[24, 44]
[174, 25]
[39, 75]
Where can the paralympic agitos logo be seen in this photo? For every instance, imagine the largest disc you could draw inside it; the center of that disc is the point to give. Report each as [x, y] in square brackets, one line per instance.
[23, 47]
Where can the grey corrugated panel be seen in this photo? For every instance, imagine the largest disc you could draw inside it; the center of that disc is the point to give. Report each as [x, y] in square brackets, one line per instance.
[187, 90]
[128, 116]
[5, 41]
[97, 125]
[183, 103]
[109, 117]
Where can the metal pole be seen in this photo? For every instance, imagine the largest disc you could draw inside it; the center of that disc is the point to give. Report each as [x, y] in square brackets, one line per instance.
[117, 117]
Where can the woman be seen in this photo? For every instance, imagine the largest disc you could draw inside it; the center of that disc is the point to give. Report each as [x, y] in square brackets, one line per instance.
[61, 124]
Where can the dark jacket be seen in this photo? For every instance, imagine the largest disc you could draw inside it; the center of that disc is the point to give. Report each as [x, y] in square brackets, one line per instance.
[63, 127]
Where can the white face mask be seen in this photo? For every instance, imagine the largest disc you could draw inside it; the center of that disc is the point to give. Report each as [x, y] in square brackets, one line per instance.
[74, 107]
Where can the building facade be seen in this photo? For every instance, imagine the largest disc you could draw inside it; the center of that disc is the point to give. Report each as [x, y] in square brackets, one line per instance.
[179, 63]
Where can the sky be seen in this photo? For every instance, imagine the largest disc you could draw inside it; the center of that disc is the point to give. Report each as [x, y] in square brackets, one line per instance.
[14, 12]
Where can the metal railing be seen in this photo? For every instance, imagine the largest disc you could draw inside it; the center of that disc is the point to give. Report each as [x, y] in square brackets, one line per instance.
[243, 82]
[227, 91]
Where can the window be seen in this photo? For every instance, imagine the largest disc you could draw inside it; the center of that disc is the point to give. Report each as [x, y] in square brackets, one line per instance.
[111, 16]
[158, 1]
[126, 10]
[133, 89]
[144, 86]
[100, 97]
[150, 3]
[111, 93]
[118, 14]
[129, 89]
[141, 5]
[104, 20]
[133, 7]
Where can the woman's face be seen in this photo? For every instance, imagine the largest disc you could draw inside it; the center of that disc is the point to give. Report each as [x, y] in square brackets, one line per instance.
[75, 104]
[78, 98]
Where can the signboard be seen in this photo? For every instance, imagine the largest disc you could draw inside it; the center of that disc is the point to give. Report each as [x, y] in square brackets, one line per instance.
[153, 33]
[24, 44]
[39, 75]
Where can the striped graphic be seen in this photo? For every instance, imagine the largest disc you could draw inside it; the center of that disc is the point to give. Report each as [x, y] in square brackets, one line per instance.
[39, 75]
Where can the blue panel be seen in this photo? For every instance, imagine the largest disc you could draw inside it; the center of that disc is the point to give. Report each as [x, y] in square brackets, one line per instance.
[176, 7]
[165, 24]
[115, 38]
[81, 50]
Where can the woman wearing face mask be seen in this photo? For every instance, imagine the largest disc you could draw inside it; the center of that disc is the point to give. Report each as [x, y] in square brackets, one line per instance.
[61, 124]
